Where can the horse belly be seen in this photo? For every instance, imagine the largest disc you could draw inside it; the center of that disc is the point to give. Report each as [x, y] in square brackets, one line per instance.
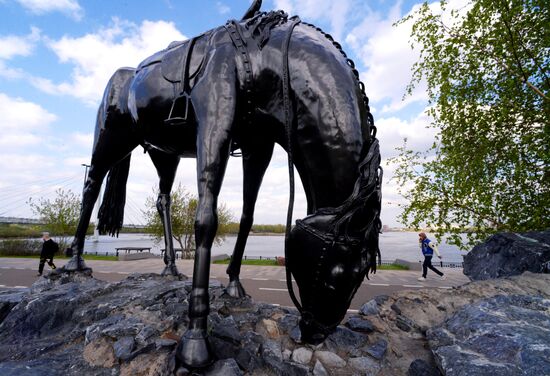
[150, 100]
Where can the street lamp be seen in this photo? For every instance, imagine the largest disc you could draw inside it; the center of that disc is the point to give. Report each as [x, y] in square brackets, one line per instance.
[85, 172]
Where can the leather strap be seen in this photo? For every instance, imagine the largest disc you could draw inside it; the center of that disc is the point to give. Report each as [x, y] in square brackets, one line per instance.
[186, 86]
[288, 130]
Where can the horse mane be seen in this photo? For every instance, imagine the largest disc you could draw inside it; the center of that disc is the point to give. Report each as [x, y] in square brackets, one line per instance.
[262, 23]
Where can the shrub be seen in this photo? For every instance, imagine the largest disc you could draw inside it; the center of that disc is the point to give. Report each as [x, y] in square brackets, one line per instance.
[20, 247]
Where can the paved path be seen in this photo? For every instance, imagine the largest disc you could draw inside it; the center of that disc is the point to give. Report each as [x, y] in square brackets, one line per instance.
[263, 283]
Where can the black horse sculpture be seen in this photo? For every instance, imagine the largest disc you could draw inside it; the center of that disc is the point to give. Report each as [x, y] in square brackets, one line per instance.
[248, 85]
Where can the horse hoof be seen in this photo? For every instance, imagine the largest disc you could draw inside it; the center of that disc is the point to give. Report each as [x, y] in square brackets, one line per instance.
[194, 349]
[76, 263]
[235, 289]
[170, 269]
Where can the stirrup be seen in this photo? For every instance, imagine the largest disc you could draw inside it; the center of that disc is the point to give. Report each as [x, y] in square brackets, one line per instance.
[179, 112]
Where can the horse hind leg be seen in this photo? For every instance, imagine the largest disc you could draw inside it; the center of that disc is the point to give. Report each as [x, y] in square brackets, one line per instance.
[254, 166]
[166, 165]
[112, 147]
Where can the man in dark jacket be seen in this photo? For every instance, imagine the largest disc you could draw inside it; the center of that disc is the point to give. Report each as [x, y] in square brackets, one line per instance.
[49, 249]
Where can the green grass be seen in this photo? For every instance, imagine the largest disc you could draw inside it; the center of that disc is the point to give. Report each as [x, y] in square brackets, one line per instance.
[86, 257]
[274, 263]
[392, 267]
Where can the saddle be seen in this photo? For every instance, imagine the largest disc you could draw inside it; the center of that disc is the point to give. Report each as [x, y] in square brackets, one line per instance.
[180, 63]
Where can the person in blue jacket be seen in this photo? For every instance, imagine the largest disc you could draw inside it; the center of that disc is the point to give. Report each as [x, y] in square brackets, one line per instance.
[428, 248]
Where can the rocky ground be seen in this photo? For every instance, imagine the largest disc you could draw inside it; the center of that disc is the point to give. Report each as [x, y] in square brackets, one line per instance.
[76, 324]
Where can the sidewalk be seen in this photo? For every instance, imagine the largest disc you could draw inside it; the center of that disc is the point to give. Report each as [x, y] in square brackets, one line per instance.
[404, 278]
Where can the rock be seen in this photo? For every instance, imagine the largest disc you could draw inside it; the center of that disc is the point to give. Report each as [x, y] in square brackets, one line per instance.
[146, 333]
[502, 335]
[268, 328]
[75, 324]
[288, 322]
[100, 353]
[227, 330]
[319, 370]
[149, 364]
[226, 367]
[369, 308]
[123, 348]
[302, 355]
[508, 254]
[124, 328]
[249, 357]
[378, 350]
[404, 323]
[420, 367]
[272, 349]
[295, 334]
[330, 359]
[287, 355]
[359, 324]
[344, 340]
[164, 342]
[9, 298]
[366, 365]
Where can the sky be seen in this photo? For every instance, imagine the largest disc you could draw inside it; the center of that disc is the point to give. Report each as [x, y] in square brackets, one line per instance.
[56, 57]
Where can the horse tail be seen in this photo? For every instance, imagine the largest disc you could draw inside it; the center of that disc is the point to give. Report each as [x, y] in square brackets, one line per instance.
[113, 116]
[111, 212]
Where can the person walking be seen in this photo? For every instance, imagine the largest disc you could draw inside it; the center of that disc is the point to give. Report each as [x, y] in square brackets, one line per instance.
[428, 248]
[49, 249]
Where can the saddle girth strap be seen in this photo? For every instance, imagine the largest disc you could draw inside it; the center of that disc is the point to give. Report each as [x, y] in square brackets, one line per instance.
[185, 84]
[288, 130]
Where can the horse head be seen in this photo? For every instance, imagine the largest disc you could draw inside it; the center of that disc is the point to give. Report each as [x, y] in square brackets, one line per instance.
[330, 252]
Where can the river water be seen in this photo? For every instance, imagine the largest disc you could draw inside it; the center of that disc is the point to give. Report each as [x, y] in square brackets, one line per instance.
[393, 245]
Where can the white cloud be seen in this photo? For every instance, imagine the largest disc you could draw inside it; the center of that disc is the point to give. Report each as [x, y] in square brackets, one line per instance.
[95, 57]
[21, 116]
[82, 141]
[15, 45]
[392, 130]
[69, 7]
[385, 52]
[335, 12]
[222, 8]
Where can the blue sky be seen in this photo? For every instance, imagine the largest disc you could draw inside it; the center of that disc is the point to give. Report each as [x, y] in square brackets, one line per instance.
[57, 55]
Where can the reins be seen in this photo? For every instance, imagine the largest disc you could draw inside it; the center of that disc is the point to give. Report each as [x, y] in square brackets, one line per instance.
[288, 128]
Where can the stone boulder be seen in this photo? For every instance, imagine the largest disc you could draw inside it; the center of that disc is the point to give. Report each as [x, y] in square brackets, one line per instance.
[73, 324]
[401, 323]
[502, 335]
[508, 254]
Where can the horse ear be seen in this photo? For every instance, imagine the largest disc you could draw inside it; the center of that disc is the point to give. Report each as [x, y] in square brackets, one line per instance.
[255, 7]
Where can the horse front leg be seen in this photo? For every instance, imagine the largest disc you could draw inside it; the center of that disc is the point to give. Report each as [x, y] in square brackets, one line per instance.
[195, 350]
[255, 163]
[214, 101]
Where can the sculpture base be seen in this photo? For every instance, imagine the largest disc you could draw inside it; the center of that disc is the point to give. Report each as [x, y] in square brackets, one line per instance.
[76, 263]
